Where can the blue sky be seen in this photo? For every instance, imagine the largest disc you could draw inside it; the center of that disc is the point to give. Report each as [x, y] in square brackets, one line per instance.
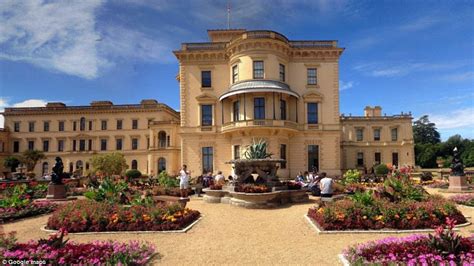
[413, 56]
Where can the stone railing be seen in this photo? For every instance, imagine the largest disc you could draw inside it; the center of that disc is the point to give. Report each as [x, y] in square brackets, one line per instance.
[312, 44]
[260, 123]
[203, 46]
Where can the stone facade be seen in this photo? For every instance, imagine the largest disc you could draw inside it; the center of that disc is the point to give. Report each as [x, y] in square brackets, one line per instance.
[239, 86]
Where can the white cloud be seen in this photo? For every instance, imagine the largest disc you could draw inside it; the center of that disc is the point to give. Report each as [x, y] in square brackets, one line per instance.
[421, 23]
[397, 69]
[459, 77]
[456, 119]
[26, 103]
[345, 85]
[59, 36]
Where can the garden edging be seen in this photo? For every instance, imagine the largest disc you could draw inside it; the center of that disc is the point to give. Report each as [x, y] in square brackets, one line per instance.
[343, 260]
[321, 231]
[184, 230]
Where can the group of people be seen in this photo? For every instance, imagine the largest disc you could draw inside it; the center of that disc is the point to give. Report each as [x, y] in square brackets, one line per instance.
[318, 184]
[203, 181]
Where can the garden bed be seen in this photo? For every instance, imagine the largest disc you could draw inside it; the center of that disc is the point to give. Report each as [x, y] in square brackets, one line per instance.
[348, 214]
[55, 251]
[30, 209]
[91, 216]
[444, 247]
[464, 199]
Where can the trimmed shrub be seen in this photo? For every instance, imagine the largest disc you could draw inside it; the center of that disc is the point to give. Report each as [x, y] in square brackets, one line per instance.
[381, 169]
[133, 173]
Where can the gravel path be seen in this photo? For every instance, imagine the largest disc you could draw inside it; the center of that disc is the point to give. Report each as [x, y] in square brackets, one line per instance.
[237, 236]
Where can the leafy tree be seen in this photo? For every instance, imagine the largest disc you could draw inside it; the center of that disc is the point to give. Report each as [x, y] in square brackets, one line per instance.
[11, 162]
[468, 155]
[425, 155]
[109, 164]
[133, 173]
[31, 157]
[425, 132]
[454, 141]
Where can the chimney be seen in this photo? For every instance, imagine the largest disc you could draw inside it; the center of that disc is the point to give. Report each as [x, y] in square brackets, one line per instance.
[376, 111]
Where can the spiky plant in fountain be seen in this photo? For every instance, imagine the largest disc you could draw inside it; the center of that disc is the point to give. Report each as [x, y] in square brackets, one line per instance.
[257, 150]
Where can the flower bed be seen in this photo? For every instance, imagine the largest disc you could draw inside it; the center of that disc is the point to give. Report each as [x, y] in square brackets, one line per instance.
[91, 216]
[30, 209]
[251, 188]
[442, 248]
[464, 199]
[57, 251]
[31, 189]
[348, 214]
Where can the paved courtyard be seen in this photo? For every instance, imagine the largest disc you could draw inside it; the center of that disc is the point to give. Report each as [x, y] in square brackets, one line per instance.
[233, 235]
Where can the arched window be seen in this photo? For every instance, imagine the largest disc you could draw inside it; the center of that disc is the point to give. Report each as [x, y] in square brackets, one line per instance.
[134, 164]
[87, 166]
[71, 166]
[45, 168]
[82, 124]
[162, 139]
[161, 164]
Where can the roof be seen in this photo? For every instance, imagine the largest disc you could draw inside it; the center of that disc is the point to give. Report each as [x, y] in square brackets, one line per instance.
[262, 85]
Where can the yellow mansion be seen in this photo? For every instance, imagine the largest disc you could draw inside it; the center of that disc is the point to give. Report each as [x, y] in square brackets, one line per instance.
[240, 86]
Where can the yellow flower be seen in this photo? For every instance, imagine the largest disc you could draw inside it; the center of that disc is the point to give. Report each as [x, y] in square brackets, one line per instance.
[320, 210]
[378, 217]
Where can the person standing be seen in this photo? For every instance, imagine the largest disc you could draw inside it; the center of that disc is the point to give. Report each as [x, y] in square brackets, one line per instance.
[326, 184]
[184, 181]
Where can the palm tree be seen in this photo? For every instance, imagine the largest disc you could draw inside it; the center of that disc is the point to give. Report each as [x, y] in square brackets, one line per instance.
[31, 157]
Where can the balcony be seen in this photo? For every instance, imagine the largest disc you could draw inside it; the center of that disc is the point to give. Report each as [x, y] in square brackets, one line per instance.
[264, 123]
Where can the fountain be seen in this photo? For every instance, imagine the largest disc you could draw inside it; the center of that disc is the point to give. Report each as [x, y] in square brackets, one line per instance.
[258, 168]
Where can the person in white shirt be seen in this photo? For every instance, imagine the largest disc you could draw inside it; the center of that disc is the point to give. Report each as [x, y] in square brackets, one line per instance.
[219, 178]
[184, 181]
[326, 184]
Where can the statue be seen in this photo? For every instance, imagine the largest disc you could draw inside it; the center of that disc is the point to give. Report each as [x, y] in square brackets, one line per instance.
[57, 176]
[457, 167]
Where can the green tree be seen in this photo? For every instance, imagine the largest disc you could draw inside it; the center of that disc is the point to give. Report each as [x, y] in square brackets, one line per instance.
[453, 141]
[425, 155]
[468, 155]
[31, 157]
[109, 164]
[11, 162]
[425, 131]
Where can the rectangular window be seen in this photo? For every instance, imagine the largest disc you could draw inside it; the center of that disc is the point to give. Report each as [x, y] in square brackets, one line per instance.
[377, 134]
[31, 145]
[89, 146]
[82, 145]
[60, 145]
[282, 72]
[134, 144]
[147, 143]
[103, 144]
[74, 145]
[16, 146]
[283, 156]
[103, 124]
[207, 159]
[313, 158]
[90, 125]
[258, 70]
[235, 73]
[360, 159]
[282, 109]
[395, 158]
[312, 113]
[119, 124]
[45, 145]
[45, 126]
[394, 132]
[312, 78]
[259, 108]
[206, 115]
[377, 158]
[236, 152]
[16, 126]
[134, 124]
[74, 126]
[118, 144]
[61, 126]
[359, 134]
[206, 81]
[31, 126]
[236, 109]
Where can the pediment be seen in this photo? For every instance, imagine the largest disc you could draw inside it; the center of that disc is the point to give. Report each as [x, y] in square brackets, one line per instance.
[206, 97]
[312, 95]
